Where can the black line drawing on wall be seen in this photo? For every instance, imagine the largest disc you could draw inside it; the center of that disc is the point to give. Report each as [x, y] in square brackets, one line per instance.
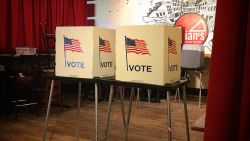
[168, 11]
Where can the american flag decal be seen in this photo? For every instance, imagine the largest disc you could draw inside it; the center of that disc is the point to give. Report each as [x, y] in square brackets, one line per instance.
[171, 46]
[104, 45]
[136, 46]
[72, 45]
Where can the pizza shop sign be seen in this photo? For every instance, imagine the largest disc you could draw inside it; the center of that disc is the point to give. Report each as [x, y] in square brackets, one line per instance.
[195, 28]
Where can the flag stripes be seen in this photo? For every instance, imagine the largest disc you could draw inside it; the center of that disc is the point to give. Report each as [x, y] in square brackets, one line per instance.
[72, 45]
[172, 46]
[104, 45]
[136, 46]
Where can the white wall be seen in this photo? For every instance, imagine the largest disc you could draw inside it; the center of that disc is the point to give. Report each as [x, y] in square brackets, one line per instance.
[112, 13]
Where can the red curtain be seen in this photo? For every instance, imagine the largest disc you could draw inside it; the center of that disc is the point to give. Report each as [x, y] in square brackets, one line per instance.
[21, 20]
[228, 106]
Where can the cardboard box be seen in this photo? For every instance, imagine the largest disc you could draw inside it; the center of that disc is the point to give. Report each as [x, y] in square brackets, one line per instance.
[25, 51]
[85, 52]
[192, 56]
[148, 54]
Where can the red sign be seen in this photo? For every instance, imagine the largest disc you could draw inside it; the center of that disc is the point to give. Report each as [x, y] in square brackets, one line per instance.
[195, 28]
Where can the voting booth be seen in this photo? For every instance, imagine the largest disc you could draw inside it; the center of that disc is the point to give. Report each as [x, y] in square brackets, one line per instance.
[85, 52]
[192, 56]
[148, 54]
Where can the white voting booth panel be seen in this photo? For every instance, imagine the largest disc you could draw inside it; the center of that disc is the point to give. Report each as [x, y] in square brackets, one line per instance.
[148, 54]
[85, 52]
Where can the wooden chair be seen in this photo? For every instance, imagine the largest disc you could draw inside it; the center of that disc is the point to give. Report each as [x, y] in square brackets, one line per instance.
[49, 44]
[47, 38]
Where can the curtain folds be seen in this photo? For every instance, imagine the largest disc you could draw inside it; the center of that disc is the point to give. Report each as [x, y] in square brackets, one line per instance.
[244, 125]
[21, 19]
[228, 105]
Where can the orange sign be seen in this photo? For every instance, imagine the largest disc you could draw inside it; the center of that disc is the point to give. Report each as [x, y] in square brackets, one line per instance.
[195, 28]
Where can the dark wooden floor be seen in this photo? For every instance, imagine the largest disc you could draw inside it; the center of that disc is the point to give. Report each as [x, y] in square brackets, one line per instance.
[147, 123]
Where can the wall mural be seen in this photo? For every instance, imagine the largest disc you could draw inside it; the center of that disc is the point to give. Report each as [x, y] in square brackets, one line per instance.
[197, 30]
[196, 16]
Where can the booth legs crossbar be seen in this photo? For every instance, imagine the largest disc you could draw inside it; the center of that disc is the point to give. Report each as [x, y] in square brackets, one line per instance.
[126, 123]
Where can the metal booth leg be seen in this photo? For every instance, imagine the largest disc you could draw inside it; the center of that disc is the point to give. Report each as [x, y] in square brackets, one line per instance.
[200, 88]
[185, 110]
[129, 111]
[78, 109]
[177, 93]
[122, 106]
[169, 117]
[48, 111]
[126, 123]
[109, 109]
[149, 95]
[96, 111]
[138, 103]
